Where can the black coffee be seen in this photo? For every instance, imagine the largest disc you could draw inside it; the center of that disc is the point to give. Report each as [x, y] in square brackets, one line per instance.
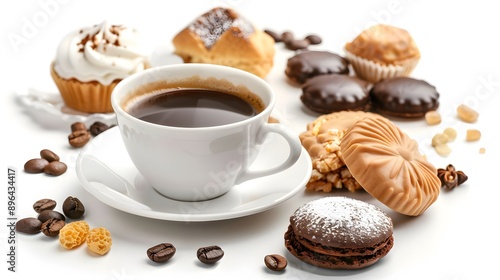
[192, 108]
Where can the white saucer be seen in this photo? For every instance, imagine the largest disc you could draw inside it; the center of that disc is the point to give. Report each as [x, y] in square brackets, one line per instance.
[53, 104]
[106, 171]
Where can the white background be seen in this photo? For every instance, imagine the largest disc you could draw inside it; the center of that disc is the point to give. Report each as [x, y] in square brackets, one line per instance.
[454, 239]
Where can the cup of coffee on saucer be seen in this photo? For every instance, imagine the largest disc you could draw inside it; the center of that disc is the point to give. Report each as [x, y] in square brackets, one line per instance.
[194, 130]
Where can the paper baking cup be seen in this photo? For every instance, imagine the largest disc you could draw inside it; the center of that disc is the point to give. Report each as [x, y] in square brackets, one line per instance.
[87, 97]
[374, 72]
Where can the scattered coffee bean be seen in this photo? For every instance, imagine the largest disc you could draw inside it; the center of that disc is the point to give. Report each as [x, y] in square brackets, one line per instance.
[314, 39]
[292, 43]
[297, 44]
[28, 225]
[73, 208]
[78, 126]
[55, 168]
[44, 204]
[52, 226]
[49, 155]
[275, 262]
[210, 254]
[276, 37]
[287, 36]
[48, 214]
[35, 165]
[48, 163]
[79, 138]
[97, 128]
[161, 253]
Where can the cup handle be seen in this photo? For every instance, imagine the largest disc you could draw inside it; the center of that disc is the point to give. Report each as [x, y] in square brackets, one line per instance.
[295, 150]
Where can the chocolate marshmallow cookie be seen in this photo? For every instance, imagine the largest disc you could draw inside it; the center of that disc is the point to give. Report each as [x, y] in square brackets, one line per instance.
[333, 93]
[404, 97]
[339, 233]
[308, 64]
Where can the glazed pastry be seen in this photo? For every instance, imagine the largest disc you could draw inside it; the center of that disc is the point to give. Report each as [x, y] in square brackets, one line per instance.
[333, 93]
[308, 64]
[387, 163]
[339, 233]
[404, 97]
[90, 62]
[322, 141]
[221, 36]
[383, 51]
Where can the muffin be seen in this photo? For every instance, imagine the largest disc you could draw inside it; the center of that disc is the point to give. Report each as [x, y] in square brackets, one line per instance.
[382, 51]
[222, 36]
[91, 61]
[339, 233]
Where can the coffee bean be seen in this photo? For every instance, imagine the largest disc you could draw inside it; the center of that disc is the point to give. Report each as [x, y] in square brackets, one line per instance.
[44, 204]
[78, 126]
[35, 165]
[79, 138]
[297, 44]
[28, 225]
[275, 262]
[52, 226]
[97, 128]
[73, 208]
[49, 155]
[287, 36]
[314, 39]
[161, 253]
[210, 254]
[48, 214]
[55, 168]
[276, 37]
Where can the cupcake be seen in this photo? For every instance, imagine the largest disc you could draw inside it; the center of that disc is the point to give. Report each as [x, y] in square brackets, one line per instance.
[91, 61]
[382, 51]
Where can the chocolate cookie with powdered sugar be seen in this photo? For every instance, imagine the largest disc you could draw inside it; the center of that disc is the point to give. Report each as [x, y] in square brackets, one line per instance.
[339, 233]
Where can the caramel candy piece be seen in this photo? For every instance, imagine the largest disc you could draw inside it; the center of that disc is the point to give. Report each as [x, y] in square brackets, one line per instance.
[389, 166]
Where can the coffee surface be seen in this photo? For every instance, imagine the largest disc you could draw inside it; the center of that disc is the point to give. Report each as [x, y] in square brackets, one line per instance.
[192, 108]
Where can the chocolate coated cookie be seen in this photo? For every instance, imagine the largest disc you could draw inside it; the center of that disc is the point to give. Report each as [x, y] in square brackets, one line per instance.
[333, 93]
[404, 97]
[308, 64]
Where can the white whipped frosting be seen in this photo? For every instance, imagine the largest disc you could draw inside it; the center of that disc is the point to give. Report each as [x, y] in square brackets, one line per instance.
[100, 53]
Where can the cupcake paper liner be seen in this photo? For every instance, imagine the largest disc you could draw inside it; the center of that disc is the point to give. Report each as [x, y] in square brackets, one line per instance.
[374, 72]
[87, 97]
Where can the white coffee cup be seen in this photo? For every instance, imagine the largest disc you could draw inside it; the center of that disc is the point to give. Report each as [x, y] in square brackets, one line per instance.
[200, 163]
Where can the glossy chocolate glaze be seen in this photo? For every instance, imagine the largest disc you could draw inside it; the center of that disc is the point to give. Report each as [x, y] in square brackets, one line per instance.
[309, 64]
[404, 97]
[334, 92]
